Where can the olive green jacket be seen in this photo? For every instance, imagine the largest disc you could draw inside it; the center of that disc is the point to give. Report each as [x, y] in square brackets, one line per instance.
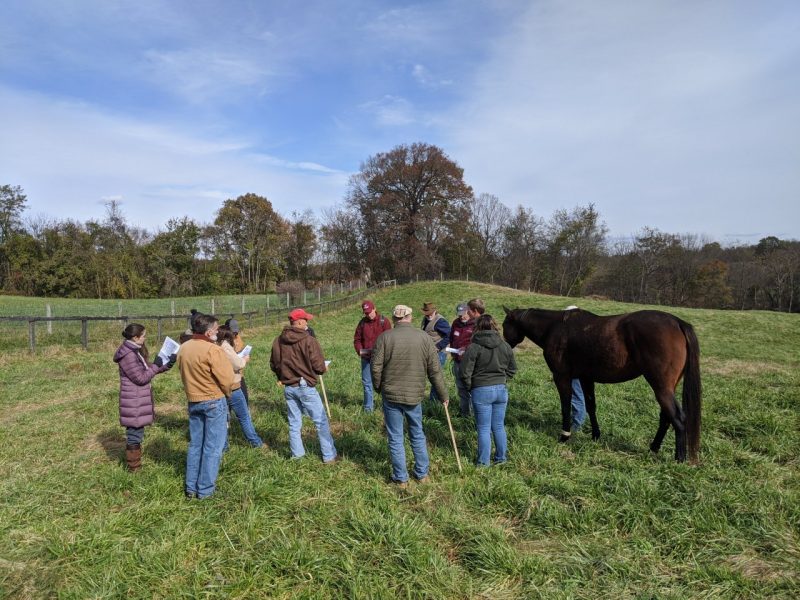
[402, 359]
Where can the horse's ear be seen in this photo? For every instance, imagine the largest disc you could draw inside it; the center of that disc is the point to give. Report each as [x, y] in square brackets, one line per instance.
[508, 312]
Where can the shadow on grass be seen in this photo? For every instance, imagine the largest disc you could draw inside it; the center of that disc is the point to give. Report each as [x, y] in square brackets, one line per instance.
[113, 442]
[160, 449]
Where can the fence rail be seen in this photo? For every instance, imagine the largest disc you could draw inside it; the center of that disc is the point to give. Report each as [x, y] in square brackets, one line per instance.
[159, 319]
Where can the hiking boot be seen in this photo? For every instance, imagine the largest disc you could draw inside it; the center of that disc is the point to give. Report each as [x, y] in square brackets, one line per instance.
[400, 485]
[133, 457]
[425, 479]
[335, 459]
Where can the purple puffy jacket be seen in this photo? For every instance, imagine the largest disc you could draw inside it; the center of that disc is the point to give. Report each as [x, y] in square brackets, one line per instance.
[136, 407]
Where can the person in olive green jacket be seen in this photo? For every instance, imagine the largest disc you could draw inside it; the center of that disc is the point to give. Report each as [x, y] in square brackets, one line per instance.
[402, 359]
[485, 367]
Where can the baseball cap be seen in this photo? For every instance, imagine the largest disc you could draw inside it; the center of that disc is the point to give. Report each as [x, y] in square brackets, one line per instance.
[299, 313]
[401, 310]
[367, 306]
[461, 308]
[233, 325]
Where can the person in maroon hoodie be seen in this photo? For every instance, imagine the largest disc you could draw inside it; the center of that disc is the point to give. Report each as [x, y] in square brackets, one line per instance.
[136, 406]
[367, 331]
[460, 339]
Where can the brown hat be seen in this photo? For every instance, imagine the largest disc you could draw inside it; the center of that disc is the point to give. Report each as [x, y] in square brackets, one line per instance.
[426, 306]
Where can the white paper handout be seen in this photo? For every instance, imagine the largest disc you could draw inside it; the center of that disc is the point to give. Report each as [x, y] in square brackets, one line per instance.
[246, 351]
[168, 348]
[453, 350]
[327, 363]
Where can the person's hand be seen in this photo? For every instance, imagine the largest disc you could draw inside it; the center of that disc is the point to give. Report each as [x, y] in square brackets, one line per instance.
[158, 361]
[247, 359]
[446, 403]
[171, 361]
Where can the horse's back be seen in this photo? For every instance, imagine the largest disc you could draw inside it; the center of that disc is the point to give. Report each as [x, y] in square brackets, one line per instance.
[656, 341]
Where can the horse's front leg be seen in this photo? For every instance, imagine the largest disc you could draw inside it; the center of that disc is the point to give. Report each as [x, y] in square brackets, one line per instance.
[564, 386]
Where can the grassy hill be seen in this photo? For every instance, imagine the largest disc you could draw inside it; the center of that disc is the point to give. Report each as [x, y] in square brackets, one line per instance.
[582, 520]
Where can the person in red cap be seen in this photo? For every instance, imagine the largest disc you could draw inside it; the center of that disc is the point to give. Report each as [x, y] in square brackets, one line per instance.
[367, 331]
[297, 360]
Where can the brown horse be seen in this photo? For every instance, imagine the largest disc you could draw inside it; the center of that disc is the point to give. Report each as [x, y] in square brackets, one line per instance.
[580, 345]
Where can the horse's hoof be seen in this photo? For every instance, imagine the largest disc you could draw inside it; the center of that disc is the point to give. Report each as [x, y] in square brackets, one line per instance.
[595, 435]
[563, 439]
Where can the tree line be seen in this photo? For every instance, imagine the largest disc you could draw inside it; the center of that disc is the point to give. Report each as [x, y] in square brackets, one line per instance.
[407, 213]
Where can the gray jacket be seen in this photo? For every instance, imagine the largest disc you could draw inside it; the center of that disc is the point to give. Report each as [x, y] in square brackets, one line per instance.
[402, 359]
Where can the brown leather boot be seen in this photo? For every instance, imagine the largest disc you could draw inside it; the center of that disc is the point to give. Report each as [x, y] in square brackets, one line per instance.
[133, 455]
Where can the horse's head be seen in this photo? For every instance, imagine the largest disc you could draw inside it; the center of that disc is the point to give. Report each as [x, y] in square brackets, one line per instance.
[512, 331]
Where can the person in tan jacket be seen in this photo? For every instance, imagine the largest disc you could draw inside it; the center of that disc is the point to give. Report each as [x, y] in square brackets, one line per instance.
[207, 377]
[237, 402]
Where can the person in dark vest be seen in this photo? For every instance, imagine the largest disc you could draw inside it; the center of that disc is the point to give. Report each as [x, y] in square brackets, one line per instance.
[367, 331]
[577, 401]
[436, 326]
[136, 406]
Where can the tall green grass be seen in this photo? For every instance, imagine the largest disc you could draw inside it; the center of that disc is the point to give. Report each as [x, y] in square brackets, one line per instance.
[582, 520]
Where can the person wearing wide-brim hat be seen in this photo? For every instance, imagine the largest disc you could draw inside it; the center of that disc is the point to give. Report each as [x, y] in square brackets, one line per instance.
[298, 362]
[436, 326]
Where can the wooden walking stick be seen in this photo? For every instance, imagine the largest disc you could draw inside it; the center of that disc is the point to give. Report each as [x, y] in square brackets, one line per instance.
[452, 437]
[325, 397]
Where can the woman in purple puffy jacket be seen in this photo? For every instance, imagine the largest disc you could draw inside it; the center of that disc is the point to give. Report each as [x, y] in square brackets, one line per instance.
[136, 408]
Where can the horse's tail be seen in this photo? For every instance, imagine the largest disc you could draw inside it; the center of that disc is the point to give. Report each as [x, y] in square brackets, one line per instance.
[692, 392]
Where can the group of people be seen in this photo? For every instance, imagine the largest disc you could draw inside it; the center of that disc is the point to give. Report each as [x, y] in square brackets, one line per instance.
[397, 359]
[396, 362]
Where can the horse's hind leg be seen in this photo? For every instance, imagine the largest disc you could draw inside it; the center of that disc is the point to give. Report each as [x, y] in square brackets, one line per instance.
[671, 413]
[591, 406]
[663, 425]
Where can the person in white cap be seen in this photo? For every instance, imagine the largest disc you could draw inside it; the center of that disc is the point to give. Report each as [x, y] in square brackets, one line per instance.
[578, 403]
[402, 360]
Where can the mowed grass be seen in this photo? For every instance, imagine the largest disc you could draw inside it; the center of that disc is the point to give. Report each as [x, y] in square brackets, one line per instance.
[582, 520]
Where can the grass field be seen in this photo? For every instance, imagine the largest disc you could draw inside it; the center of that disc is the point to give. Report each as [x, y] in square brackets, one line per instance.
[582, 520]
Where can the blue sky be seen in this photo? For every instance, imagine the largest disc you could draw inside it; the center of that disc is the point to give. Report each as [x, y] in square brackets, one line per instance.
[678, 115]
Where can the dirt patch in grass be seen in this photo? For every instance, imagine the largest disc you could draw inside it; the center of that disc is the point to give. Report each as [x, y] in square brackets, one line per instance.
[734, 367]
[757, 569]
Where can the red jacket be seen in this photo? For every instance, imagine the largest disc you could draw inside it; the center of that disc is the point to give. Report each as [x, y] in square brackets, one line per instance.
[367, 332]
[461, 335]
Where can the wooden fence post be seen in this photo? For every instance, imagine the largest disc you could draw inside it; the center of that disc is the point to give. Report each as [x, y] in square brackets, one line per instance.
[85, 333]
[49, 323]
[32, 335]
[249, 319]
[158, 321]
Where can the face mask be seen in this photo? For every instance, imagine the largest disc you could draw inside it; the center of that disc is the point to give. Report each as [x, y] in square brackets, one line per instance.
[213, 338]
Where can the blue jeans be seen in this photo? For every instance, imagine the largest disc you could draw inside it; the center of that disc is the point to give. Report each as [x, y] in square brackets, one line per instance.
[490, 404]
[442, 358]
[393, 414]
[464, 400]
[208, 430]
[366, 381]
[578, 405]
[304, 399]
[238, 403]
[134, 435]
